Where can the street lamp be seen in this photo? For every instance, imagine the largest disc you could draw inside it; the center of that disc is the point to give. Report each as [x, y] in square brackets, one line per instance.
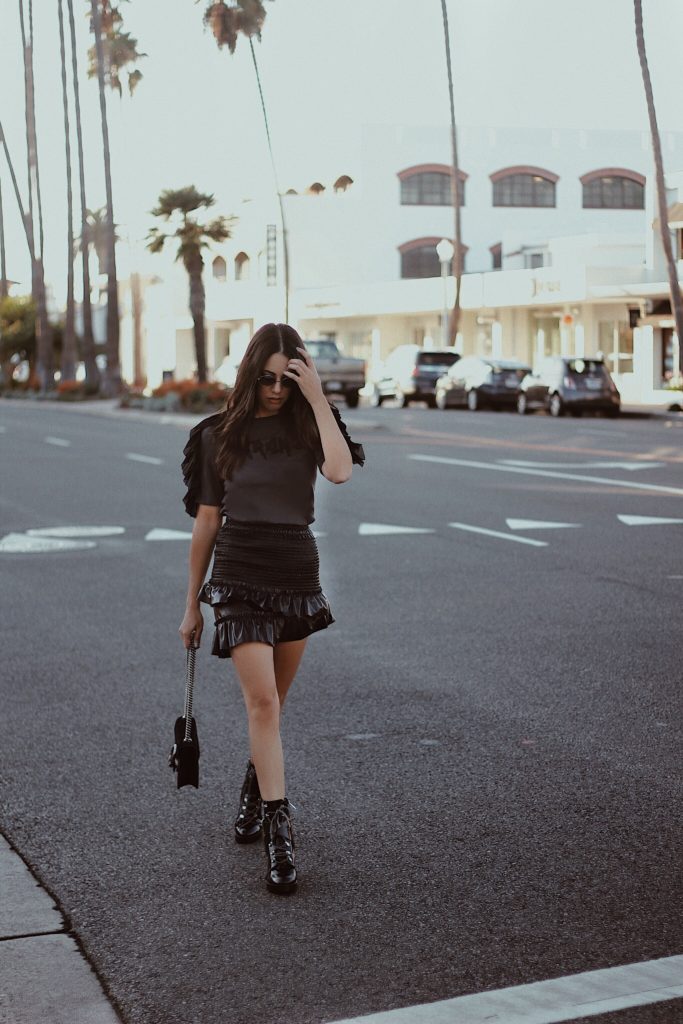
[445, 252]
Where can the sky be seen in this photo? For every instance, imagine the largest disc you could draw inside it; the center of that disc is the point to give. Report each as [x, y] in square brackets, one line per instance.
[328, 69]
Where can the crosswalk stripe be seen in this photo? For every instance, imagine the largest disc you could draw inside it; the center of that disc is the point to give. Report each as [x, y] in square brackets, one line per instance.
[548, 1002]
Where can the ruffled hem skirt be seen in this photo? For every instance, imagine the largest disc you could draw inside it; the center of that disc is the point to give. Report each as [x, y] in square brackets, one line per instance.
[264, 585]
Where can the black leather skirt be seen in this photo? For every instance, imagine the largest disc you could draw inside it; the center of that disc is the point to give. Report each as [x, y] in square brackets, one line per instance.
[264, 585]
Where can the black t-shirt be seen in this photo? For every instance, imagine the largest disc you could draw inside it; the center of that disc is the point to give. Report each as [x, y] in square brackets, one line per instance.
[276, 482]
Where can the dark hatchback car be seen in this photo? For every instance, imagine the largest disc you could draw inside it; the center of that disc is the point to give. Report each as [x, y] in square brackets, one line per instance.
[479, 383]
[570, 385]
[410, 374]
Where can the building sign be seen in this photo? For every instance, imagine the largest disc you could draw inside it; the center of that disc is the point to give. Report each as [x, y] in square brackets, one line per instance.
[539, 286]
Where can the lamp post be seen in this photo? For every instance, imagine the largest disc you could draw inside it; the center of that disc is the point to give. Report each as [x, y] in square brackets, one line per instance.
[445, 252]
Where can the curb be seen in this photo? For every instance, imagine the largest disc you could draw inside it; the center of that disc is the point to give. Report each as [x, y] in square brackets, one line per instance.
[45, 975]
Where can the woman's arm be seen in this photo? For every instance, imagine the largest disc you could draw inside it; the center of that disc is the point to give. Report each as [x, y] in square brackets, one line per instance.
[338, 464]
[206, 527]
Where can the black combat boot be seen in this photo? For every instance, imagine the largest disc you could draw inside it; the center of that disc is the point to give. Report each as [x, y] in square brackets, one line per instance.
[279, 844]
[248, 821]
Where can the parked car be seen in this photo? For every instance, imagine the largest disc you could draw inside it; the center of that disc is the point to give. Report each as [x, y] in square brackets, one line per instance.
[410, 374]
[570, 385]
[481, 382]
[339, 374]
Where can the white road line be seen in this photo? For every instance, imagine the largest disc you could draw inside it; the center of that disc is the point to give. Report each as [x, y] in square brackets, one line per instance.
[548, 1002]
[630, 466]
[647, 520]
[379, 529]
[660, 488]
[538, 524]
[22, 544]
[144, 458]
[76, 531]
[159, 533]
[496, 533]
[59, 442]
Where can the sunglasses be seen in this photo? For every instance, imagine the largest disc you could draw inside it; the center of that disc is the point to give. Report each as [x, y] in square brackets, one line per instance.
[269, 380]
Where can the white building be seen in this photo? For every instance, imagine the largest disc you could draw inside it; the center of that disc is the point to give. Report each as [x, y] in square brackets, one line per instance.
[559, 252]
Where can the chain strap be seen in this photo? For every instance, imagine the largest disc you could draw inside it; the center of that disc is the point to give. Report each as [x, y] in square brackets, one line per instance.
[189, 688]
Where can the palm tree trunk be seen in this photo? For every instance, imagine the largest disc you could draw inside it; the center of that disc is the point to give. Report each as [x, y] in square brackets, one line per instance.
[194, 265]
[92, 373]
[17, 193]
[455, 189]
[44, 343]
[4, 287]
[674, 286]
[69, 354]
[113, 377]
[285, 244]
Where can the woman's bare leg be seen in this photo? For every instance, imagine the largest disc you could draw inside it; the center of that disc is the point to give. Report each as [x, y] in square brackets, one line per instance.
[254, 664]
[287, 658]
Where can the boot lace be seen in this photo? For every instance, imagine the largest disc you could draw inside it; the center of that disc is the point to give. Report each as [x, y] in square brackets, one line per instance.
[281, 839]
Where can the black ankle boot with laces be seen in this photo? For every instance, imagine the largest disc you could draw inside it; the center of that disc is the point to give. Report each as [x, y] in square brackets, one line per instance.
[248, 821]
[279, 843]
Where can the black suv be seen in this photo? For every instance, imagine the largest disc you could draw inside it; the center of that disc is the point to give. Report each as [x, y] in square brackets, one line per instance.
[410, 373]
[570, 385]
[477, 382]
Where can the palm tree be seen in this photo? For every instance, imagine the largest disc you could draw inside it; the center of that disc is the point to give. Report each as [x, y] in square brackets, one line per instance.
[120, 51]
[227, 21]
[97, 236]
[69, 352]
[92, 373]
[45, 355]
[113, 375]
[674, 286]
[4, 287]
[192, 237]
[455, 189]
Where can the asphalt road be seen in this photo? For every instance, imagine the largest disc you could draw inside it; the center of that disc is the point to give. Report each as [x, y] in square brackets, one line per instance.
[484, 750]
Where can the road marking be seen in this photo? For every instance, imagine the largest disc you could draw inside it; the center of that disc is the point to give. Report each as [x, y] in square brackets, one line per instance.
[362, 736]
[60, 442]
[538, 524]
[144, 458]
[646, 520]
[377, 529]
[158, 533]
[632, 484]
[76, 531]
[630, 466]
[547, 1002]
[23, 544]
[496, 533]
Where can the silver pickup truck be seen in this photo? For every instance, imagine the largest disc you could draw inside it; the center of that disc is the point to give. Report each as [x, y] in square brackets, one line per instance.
[339, 374]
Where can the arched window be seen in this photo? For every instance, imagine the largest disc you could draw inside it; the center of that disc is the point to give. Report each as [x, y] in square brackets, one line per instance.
[429, 185]
[291, 192]
[219, 269]
[315, 189]
[241, 267]
[496, 256]
[613, 188]
[419, 258]
[343, 183]
[524, 186]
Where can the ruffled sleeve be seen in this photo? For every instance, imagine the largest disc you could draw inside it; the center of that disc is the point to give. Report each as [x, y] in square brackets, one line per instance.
[200, 475]
[357, 453]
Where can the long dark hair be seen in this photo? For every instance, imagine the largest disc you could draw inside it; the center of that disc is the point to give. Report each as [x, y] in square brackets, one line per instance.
[232, 433]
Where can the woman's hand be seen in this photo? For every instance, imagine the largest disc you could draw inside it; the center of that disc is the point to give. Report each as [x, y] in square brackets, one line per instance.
[303, 371]
[193, 622]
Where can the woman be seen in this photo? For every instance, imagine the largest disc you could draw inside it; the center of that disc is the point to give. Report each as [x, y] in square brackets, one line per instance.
[255, 463]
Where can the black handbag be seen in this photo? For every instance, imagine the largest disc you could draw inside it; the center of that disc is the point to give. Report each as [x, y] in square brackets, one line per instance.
[184, 756]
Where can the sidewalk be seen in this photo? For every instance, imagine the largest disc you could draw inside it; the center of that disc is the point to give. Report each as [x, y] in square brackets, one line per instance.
[44, 977]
